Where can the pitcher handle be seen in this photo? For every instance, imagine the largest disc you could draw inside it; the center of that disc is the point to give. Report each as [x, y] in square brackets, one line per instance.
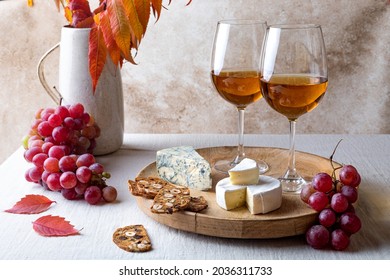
[53, 93]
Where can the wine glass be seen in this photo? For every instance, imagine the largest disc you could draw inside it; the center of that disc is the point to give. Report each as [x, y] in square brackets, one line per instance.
[234, 72]
[294, 80]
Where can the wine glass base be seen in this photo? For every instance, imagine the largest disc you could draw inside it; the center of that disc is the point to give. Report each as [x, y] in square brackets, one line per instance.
[225, 165]
[293, 185]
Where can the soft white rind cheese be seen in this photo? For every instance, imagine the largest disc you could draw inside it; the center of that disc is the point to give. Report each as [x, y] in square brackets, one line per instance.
[184, 166]
[230, 196]
[264, 197]
[260, 198]
[245, 173]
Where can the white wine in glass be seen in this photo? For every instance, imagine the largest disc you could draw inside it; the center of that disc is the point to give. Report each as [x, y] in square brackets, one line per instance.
[294, 80]
[235, 75]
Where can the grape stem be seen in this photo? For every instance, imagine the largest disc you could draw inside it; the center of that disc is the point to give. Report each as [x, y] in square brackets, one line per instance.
[331, 161]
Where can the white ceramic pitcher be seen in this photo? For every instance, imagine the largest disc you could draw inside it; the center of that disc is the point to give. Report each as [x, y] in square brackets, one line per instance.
[75, 86]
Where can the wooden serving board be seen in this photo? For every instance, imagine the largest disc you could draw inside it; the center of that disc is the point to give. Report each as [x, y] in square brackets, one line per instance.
[292, 218]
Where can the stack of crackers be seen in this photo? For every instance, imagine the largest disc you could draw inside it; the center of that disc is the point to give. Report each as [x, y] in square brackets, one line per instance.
[167, 197]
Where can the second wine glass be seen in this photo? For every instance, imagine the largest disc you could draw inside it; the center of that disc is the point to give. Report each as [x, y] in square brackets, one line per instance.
[234, 71]
[294, 80]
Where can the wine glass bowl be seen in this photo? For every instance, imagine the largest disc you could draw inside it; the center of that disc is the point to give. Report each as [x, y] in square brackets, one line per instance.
[234, 73]
[294, 80]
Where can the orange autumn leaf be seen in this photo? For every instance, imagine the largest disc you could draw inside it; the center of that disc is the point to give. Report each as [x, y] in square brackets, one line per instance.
[120, 26]
[31, 204]
[156, 7]
[135, 24]
[112, 47]
[143, 11]
[97, 54]
[53, 226]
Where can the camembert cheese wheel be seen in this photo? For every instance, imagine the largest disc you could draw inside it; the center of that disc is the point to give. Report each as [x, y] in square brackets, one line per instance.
[260, 198]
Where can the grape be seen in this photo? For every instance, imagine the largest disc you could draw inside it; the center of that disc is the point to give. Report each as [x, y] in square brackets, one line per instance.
[45, 129]
[317, 236]
[68, 180]
[62, 111]
[318, 201]
[27, 176]
[89, 132]
[80, 188]
[39, 159]
[350, 223]
[69, 194]
[339, 240]
[339, 203]
[51, 165]
[349, 176]
[96, 168]
[35, 143]
[109, 194]
[327, 217]
[56, 152]
[86, 118]
[55, 120]
[35, 173]
[322, 182]
[53, 182]
[85, 160]
[306, 192]
[30, 153]
[60, 134]
[83, 174]
[93, 194]
[67, 163]
[25, 141]
[79, 124]
[44, 176]
[350, 193]
[69, 122]
[76, 110]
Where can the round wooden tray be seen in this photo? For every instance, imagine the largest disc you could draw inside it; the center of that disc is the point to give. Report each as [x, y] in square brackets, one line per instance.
[292, 218]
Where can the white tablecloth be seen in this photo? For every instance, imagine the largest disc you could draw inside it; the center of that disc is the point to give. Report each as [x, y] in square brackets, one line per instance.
[18, 241]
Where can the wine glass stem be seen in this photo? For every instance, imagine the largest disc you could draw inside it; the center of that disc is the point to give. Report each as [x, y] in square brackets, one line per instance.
[291, 157]
[240, 147]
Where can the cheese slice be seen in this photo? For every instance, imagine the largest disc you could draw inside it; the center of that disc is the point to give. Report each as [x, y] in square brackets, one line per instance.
[245, 173]
[184, 166]
[230, 196]
[264, 197]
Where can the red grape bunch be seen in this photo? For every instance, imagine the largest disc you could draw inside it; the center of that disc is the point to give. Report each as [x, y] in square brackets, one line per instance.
[333, 198]
[60, 144]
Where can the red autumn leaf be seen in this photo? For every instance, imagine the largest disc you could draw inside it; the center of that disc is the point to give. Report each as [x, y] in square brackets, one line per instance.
[54, 226]
[31, 204]
[97, 54]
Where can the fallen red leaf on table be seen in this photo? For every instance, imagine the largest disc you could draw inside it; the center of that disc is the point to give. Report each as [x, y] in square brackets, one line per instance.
[31, 204]
[54, 226]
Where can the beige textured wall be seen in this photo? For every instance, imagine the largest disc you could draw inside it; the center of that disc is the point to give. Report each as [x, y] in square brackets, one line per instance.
[170, 90]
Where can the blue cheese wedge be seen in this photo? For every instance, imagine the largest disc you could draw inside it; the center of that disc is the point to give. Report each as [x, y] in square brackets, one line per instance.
[184, 166]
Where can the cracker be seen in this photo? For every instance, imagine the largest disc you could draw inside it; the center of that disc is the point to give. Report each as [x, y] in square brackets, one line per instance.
[150, 186]
[133, 238]
[170, 199]
[197, 204]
